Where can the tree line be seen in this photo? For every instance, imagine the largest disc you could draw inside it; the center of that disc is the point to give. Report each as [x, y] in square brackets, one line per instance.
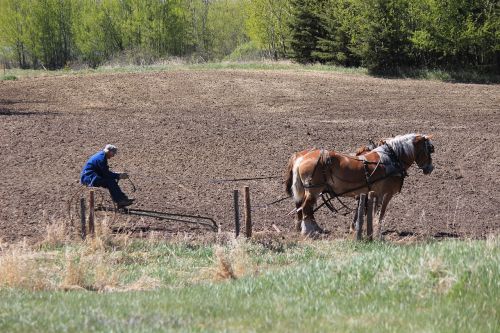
[381, 35]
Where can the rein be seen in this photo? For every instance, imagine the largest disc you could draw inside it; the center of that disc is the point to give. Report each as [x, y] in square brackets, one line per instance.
[133, 186]
[274, 202]
[243, 179]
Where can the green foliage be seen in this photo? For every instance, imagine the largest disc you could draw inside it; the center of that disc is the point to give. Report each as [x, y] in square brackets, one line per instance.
[268, 25]
[15, 30]
[226, 27]
[387, 35]
[52, 30]
[50, 33]
[384, 43]
[246, 52]
[306, 30]
[158, 26]
[459, 33]
[97, 36]
[335, 47]
[382, 35]
[9, 78]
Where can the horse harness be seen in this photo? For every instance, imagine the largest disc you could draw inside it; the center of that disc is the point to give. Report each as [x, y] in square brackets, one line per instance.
[398, 169]
[329, 194]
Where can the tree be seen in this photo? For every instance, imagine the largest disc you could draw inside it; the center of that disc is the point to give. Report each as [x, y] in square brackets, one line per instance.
[96, 30]
[52, 34]
[14, 15]
[384, 43]
[268, 24]
[459, 34]
[338, 22]
[306, 30]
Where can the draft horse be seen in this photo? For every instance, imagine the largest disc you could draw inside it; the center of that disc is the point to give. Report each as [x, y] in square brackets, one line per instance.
[312, 172]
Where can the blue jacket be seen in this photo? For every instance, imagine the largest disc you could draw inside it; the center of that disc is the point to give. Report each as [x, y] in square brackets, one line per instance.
[95, 169]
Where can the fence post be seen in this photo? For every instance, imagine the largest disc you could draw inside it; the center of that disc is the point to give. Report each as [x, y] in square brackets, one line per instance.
[361, 216]
[369, 214]
[248, 216]
[91, 213]
[236, 213]
[83, 218]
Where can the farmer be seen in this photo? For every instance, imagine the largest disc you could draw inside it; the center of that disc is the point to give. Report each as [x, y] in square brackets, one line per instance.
[96, 173]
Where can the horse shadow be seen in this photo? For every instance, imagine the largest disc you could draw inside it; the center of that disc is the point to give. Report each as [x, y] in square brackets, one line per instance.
[9, 112]
[438, 235]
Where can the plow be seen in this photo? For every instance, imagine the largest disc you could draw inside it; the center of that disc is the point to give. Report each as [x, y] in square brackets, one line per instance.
[100, 207]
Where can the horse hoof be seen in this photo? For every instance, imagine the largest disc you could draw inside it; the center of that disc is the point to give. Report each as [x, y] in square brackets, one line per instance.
[309, 229]
[298, 226]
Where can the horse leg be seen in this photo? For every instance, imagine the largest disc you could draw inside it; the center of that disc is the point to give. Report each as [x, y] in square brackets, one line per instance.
[298, 219]
[352, 227]
[383, 207]
[309, 225]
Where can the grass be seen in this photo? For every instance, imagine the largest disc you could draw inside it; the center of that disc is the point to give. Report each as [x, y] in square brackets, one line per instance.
[421, 74]
[172, 66]
[455, 76]
[9, 78]
[120, 284]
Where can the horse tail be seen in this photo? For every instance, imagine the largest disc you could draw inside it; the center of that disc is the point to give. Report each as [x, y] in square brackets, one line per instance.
[289, 174]
[293, 183]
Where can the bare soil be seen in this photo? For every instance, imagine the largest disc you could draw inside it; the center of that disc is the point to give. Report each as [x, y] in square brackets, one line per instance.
[179, 133]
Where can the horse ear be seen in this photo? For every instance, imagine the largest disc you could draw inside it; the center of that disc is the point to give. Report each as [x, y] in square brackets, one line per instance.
[430, 136]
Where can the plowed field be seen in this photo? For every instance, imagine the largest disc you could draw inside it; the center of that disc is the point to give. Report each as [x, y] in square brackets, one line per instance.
[180, 132]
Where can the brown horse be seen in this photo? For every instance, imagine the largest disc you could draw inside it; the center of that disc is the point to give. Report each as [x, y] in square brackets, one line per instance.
[382, 170]
[289, 172]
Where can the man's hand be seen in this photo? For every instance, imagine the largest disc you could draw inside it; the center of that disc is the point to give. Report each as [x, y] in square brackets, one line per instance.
[124, 175]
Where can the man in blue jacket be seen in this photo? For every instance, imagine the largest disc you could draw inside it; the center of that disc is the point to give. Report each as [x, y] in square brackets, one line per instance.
[96, 173]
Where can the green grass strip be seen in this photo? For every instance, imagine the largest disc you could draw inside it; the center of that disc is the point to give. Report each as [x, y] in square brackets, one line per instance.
[342, 286]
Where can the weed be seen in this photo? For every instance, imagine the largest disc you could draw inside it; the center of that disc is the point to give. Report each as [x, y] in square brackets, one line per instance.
[9, 78]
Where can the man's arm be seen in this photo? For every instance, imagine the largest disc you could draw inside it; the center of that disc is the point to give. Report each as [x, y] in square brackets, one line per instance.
[106, 173]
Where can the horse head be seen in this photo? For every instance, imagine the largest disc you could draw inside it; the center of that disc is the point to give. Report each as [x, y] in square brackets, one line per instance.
[423, 153]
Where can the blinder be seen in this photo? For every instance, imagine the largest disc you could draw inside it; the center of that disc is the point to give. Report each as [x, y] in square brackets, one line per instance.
[429, 149]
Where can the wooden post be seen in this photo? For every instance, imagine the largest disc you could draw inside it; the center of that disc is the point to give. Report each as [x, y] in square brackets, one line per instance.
[83, 218]
[91, 213]
[361, 216]
[369, 215]
[248, 217]
[236, 213]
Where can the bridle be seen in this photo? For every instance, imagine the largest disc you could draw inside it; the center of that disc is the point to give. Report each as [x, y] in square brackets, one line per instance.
[428, 150]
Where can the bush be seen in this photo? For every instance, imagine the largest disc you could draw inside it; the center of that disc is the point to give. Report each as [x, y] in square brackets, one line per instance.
[247, 52]
[9, 78]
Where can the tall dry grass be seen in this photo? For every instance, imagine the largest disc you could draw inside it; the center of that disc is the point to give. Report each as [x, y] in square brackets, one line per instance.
[20, 268]
[231, 261]
[61, 261]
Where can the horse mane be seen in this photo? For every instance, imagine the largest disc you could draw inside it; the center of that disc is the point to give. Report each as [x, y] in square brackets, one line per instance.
[401, 144]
